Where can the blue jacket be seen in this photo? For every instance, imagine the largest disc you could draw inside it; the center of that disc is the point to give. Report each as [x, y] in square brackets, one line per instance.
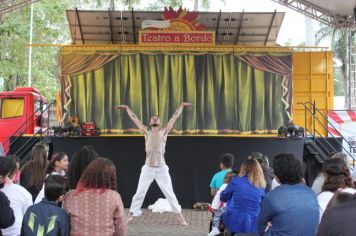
[292, 210]
[243, 205]
[45, 218]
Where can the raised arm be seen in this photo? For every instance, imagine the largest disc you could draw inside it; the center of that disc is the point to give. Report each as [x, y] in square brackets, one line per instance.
[133, 117]
[175, 116]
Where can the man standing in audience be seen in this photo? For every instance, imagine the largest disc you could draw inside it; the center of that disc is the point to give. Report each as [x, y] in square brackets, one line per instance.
[155, 167]
[7, 217]
[226, 163]
[292, 207]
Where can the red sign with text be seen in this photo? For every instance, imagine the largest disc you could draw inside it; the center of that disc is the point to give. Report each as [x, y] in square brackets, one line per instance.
[169, 38]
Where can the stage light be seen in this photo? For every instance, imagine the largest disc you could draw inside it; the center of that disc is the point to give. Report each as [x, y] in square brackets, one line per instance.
[282, 132]
[291, 131]
[294, 131]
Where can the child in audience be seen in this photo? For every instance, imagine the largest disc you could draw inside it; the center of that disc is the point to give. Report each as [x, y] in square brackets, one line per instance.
[57, 166]
[46, 217]
[226, 163]
[218, 207]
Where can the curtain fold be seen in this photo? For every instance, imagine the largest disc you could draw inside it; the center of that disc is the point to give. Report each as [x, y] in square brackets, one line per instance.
[231, 95]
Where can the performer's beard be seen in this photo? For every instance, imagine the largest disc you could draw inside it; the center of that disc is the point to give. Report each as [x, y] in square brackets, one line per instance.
[155, 125]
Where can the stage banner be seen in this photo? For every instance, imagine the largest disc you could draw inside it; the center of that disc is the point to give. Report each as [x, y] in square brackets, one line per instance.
[173, 38]
[344, 122]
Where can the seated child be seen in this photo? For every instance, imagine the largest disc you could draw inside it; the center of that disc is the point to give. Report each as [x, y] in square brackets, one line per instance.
[218, 207]
[46, 217]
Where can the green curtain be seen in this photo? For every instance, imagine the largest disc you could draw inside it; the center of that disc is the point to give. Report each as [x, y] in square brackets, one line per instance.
[230, 96]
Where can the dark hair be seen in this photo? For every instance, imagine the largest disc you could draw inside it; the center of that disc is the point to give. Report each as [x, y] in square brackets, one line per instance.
[58, 156]
[15, 157]
[340, 198]
[263, 160]
[287, 168]
[5, 166]
[227, 159]
[337, 175]
[228, 177]
[100, 174]
[37, 165]
[11, 165]
[81, 159]
[55, 186]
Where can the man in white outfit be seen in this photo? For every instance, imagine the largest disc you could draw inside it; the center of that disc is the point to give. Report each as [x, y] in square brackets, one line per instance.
[155, 167]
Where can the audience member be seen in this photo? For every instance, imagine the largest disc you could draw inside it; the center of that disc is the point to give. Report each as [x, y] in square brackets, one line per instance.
[20, 199]
[337, 176]
[320, 179]
[96, 200]
[16, 178]
[81, 159]
[7, 217]
[339, 220]
[267, 171]
[292, 207]
[226, 163]
[243, 196]
[340, 198]
[57, 166]
[46, 217]
[218, 207]
[33, 172]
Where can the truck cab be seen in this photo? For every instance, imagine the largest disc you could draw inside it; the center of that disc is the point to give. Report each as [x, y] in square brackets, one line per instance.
[22, 111]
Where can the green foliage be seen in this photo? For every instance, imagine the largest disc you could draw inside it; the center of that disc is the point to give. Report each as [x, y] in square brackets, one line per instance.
[339, 45]
[49, 27]
[338, 82]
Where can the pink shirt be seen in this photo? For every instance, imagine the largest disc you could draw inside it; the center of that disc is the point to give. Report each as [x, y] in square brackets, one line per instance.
[96, 214]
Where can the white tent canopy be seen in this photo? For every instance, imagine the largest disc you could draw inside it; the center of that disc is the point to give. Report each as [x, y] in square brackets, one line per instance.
[335, 13]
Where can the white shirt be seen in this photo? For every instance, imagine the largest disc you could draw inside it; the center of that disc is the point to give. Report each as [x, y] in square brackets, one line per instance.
[275, 184]
[216, 201]
[40, 195]
[318, 183]
[20, 199]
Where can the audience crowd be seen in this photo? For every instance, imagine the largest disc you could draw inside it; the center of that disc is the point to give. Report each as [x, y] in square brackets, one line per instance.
[57, 195]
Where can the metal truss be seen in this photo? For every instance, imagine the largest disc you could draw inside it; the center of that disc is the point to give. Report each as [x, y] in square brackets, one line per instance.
[7, 6]
[320, 14]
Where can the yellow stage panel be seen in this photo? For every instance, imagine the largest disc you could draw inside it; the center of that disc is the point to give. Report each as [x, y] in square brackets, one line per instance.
[312, 82]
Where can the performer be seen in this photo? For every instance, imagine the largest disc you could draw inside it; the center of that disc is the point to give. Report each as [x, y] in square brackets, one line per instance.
[155, 167]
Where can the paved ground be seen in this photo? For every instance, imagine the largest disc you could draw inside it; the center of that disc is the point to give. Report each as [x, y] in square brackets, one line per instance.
[159, 224]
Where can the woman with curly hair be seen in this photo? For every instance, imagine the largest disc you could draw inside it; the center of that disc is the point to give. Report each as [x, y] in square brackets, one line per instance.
[244, 195]
[33, 173]
[95, 207]
[337, 177]
[80, 160]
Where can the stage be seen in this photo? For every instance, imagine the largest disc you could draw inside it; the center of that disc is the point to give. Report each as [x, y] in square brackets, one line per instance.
[192, 160]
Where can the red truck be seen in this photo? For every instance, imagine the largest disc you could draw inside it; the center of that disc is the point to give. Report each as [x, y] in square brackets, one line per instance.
[22, 111]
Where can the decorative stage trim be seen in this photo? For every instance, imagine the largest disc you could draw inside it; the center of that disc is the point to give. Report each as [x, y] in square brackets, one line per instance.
[194, 132]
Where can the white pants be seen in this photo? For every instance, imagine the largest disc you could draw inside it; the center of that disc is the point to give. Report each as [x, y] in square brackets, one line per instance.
[163, 179]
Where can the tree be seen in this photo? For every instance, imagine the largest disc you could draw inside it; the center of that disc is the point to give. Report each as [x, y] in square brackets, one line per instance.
[49, 28]
[339, 44]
